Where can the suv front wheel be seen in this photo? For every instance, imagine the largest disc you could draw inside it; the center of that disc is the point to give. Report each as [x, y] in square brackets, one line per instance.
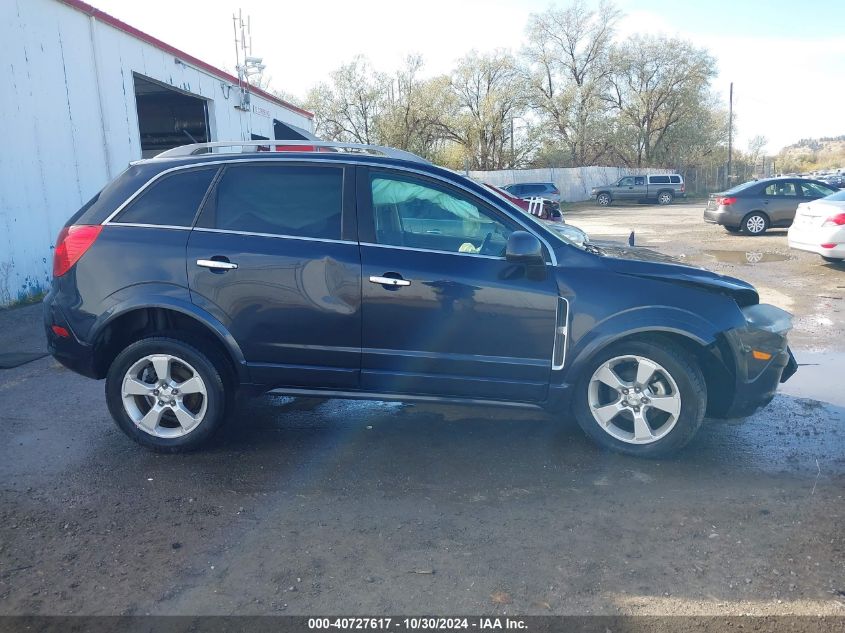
[641, 398]
[166, 394]
[603, 199]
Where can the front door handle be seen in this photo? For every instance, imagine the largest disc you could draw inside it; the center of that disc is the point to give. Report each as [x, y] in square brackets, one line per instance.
[216, 264]
[389, 281]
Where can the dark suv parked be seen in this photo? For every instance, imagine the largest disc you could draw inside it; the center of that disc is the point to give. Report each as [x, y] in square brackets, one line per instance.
[361, 272]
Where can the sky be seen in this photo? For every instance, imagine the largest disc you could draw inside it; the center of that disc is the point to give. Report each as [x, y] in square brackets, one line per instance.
[785, 58]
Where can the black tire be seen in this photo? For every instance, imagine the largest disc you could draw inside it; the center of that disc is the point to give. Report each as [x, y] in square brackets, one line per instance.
[665, 197]
[755, 223]
[603, 199]
[684, 370]
[210, 367]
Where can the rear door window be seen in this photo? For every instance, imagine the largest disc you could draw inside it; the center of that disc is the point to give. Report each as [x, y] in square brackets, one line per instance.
[781, 189]
[287, 200]
[417, 213]
[172, 200]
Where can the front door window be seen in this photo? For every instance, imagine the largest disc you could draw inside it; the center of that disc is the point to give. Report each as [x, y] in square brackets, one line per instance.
[419, 214]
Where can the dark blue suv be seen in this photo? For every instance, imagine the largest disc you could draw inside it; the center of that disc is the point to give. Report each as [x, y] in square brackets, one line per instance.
[363, 272]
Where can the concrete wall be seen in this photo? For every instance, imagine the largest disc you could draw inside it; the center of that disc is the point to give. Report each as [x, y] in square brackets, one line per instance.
[574, 183]
[68, 123]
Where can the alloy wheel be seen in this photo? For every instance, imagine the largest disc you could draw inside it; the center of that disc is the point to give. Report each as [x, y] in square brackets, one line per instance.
[755, 224]
[634, 399]
[664, 198]
[604, 200]
[164, 396]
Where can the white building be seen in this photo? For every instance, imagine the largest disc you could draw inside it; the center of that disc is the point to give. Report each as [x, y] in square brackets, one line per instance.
[81, 95]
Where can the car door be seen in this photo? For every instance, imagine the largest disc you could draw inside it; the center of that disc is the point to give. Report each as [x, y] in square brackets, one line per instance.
[624, 189]
[274, 256]
[640, 189]
[444, 313]
[780, 200]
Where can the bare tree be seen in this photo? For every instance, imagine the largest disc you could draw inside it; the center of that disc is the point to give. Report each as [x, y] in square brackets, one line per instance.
[414, 110]
[567, 59]
[346, 109]
[755, 151]
[488, 93]
[655, 84]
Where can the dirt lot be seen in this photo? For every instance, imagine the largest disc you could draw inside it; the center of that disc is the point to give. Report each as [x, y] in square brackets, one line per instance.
[311, 506]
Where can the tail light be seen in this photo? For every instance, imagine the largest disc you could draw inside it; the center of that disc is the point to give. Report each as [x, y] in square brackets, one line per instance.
[838, 220]
[726, 201]
[683, 187]
[71, 244]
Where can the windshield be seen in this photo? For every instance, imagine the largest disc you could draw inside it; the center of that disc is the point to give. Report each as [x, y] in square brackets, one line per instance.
[838, 196]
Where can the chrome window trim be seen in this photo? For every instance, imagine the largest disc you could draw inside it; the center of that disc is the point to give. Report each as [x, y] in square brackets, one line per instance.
[149, 226]
[429, 250]
[525, 222]
[274, 235]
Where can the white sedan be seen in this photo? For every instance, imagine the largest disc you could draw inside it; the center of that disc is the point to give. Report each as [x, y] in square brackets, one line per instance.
[819, 227]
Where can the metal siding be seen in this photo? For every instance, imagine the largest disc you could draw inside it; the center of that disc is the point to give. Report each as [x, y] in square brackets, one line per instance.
[64, 139]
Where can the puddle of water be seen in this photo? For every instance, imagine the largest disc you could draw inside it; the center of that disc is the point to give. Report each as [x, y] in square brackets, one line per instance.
[746, 257]
[820, 376]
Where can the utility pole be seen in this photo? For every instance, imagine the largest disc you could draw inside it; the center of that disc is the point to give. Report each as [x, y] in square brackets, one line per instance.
[730, 133]
[513, 154]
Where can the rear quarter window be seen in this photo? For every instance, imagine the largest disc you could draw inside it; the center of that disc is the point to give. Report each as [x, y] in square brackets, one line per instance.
[658, 180]
[172, 200]
[675, 179]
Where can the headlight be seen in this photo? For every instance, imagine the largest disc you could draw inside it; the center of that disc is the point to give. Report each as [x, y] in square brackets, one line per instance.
[768, 318]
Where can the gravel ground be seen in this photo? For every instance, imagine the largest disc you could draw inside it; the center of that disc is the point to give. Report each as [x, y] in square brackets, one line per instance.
[312, 506]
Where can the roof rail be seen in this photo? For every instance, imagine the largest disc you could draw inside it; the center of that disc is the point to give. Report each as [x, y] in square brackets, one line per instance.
[271, 145]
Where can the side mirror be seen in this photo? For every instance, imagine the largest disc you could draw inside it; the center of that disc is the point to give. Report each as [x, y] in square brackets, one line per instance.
[524, 248]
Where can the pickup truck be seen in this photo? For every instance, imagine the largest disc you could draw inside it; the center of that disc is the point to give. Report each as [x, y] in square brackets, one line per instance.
[663, 188]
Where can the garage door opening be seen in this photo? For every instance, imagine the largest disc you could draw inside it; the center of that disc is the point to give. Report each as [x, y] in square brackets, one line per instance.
[168, 118]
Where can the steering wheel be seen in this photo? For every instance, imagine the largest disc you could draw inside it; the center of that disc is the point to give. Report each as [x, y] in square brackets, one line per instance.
[483, 248]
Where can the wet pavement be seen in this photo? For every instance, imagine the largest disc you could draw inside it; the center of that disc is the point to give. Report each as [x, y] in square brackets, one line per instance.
[309, 506]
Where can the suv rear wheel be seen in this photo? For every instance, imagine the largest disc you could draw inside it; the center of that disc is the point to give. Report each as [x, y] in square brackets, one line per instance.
[166, 394]
[641, 398]
[665, 197]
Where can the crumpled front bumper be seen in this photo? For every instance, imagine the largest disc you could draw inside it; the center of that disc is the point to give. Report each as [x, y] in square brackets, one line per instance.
[757, 376]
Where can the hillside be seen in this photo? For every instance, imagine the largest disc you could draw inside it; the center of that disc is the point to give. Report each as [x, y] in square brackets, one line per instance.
[811, 154]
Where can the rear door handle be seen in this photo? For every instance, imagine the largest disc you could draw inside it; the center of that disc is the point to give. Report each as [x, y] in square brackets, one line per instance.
[216, 264]
[389, 281]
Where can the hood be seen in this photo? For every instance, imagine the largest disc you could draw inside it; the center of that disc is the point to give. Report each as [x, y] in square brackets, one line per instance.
[643, 262]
